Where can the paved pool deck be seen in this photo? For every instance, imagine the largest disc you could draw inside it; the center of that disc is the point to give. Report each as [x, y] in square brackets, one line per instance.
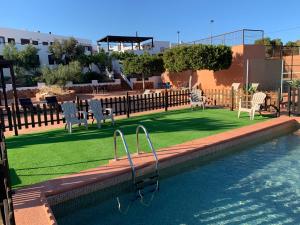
[32, 203]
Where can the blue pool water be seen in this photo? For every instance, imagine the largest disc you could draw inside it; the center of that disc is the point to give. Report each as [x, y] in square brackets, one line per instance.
[258, 185]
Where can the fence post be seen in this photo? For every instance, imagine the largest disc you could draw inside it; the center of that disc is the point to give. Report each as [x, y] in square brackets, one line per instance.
[166, 100]
[77, 103]
[127, 105]
[232, 99]
[297, 100]
[14, 119]
[278, 101]
[289, 100]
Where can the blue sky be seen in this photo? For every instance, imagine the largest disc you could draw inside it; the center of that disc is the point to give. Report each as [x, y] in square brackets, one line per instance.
[93, 19]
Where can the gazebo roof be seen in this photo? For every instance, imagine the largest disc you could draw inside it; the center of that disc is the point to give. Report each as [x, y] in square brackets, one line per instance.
[124, 39]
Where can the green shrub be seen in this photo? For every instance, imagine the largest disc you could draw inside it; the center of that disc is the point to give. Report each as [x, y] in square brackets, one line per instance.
[122, 55]
[89, 76]
[63, 73]
[197, 57]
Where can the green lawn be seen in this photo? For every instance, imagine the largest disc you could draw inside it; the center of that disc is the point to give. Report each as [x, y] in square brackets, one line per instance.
[40, 156]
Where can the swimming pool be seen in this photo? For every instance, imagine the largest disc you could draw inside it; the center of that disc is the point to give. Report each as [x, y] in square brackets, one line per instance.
[258, 185]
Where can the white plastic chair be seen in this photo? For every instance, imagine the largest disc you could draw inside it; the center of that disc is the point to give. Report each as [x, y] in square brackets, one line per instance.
[196, 99]
[95, 107]
[73, 116]
[254, 105]
[235, 86]
[254, 86]
[146, 92]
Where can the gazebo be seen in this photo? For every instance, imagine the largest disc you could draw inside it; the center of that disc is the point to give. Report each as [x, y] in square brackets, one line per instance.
[124, 39]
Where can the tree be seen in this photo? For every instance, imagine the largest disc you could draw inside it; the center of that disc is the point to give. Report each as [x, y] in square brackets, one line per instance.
[101, 60]
[271, 45]
[144, 66]
[28, 58]
[291, 44]
[26, 62]
[66, 51]
[63, 73]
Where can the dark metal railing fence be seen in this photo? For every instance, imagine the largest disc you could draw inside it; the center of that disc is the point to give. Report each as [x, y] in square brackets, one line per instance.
[6, 203]
[15, 119]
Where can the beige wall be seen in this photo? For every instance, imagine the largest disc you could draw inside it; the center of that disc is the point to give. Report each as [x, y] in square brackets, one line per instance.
[207, 79]
[265, 72]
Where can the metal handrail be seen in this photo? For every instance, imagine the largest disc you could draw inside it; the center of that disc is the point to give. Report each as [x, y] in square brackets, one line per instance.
[126, 149]
[149, 142]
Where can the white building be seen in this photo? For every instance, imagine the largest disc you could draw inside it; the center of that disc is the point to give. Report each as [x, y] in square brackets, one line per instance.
[38, 39]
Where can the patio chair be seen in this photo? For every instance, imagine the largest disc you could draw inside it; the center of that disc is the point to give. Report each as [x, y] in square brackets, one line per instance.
[52, 101]
[235, 86]
[26, 103]
[73, 116]
[252, 106]
[196, 99]
[146, 92]
[254, 86]
[95, 107]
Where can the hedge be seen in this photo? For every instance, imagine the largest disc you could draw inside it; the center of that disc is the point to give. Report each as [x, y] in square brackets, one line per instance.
[197, 57]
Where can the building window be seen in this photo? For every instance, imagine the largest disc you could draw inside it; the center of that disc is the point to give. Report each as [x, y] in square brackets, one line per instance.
[45, 43]
[35, 42]
[38, 60]
[2, 40]
[11, 40]
[51, 59]
[51, 43]
[25, 41]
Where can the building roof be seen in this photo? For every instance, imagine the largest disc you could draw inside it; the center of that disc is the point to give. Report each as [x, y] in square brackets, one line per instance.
[125, 39]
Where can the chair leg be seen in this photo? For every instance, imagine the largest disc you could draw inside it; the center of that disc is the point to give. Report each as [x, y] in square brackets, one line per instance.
[112, 120]
[99, 124]
[70, 128]
[253, 114]
[239, 113]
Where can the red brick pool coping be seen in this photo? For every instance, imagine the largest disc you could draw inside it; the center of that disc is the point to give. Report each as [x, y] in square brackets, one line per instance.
[31, 205]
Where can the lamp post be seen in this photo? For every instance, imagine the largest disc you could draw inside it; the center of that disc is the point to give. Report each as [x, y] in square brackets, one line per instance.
[178, 39]
[211, 26]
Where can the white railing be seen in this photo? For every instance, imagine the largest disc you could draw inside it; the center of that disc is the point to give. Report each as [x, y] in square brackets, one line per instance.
[126, 80]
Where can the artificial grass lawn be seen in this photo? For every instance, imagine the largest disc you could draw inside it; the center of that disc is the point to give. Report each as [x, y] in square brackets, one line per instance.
[40, 156]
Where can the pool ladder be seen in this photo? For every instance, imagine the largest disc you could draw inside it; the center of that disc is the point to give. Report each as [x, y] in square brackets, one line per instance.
[151, 181]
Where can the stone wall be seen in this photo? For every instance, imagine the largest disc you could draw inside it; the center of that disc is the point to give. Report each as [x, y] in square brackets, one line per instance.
[28, 93]
[89, 89]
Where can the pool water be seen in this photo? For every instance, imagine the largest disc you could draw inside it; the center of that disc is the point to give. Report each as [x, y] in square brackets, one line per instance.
[258, 185]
